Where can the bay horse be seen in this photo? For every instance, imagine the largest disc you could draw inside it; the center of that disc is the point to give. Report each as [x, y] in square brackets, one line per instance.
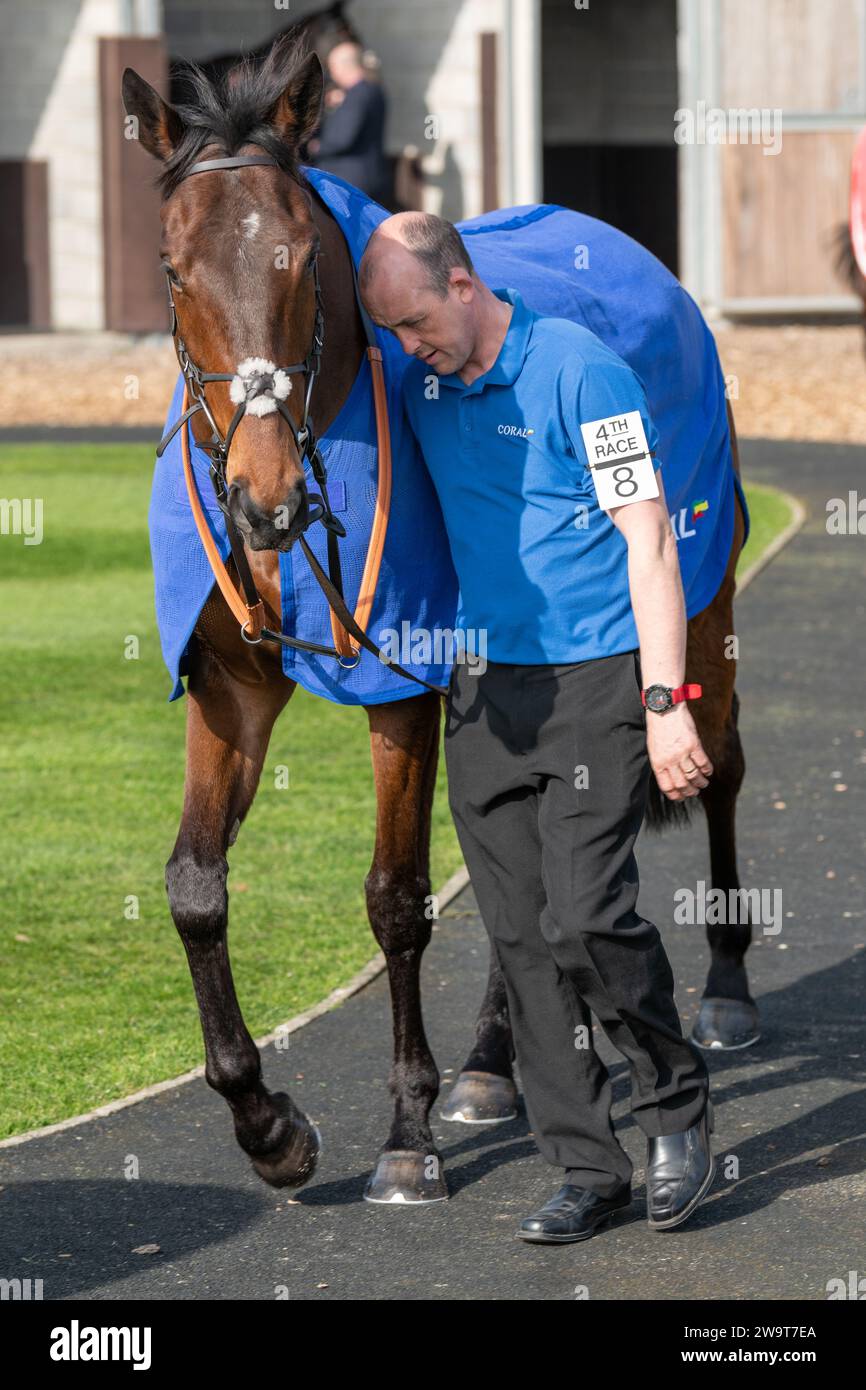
[227, 307]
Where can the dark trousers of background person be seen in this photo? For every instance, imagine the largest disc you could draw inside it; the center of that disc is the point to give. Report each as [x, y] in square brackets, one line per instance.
[553, 869]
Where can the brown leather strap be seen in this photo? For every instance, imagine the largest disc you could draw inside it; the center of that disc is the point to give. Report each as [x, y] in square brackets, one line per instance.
[250, 617]
[346, 645]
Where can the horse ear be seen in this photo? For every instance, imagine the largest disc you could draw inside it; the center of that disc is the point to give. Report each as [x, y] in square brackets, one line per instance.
[159, 127]
[296, 114]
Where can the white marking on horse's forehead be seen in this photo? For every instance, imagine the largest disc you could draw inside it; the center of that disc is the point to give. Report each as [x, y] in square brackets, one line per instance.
[252, 224]
[249, 227]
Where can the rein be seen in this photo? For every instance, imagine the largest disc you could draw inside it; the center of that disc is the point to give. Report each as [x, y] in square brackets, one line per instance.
[260, 387]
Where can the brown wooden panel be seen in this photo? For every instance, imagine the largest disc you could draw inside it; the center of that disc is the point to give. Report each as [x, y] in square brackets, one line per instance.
[135, 298]
[489, 123]
[25, 272]
[793, 54]
[780, 213]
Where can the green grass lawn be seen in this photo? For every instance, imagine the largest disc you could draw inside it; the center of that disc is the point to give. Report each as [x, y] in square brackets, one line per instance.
[95, 1005]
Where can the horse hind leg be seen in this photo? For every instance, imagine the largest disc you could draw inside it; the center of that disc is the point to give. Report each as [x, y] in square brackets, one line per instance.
[485, 1093]
[228, 729]
[728, 1016]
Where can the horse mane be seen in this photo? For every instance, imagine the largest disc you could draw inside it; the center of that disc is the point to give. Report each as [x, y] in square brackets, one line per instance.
[235, 109]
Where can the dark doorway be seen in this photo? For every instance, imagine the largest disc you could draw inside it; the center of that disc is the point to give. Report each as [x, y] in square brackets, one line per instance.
[25, 294]
[609, 93]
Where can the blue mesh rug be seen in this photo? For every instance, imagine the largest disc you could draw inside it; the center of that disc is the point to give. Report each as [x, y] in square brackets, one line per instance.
[564, 264]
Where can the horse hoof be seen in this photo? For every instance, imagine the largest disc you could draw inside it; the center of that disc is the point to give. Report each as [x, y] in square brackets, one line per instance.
[295, 1163]
[726, 1024]
[404, 1177]
[480, 1098]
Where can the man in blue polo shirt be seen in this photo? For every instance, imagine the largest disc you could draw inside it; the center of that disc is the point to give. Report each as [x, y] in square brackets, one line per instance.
[543, 453]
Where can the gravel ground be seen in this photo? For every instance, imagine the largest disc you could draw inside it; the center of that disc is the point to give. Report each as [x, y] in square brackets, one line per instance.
[789, 382]
[95, 379]
[795, 382]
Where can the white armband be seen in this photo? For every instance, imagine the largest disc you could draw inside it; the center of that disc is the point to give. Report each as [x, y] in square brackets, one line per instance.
[619, 459]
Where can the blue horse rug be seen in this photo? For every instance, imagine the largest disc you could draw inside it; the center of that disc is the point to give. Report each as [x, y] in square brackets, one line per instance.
[564, 264]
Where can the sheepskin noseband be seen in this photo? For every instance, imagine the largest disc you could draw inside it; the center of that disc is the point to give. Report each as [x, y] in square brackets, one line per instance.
[260, 384]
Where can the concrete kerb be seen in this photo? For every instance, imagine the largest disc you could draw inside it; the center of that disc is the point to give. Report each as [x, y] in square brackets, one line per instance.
[798, 520]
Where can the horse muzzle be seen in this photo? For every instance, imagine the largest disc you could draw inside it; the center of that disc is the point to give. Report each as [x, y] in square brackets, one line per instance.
[264, 530]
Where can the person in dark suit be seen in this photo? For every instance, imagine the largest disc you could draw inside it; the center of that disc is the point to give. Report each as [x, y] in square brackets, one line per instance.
[351, 140]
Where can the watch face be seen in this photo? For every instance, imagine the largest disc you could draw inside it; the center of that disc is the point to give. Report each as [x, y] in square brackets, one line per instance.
[658, 698]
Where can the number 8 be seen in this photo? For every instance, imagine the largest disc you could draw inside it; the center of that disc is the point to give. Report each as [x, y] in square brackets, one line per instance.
[619, 489]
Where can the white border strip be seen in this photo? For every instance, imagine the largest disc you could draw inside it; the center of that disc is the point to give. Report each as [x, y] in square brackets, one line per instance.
[449, 890]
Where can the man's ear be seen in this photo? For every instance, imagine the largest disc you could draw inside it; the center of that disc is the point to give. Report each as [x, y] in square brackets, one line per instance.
[460, 279]
[297, 112]
[159, 127]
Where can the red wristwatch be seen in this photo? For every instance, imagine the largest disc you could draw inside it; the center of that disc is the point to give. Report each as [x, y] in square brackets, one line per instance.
[660, 698]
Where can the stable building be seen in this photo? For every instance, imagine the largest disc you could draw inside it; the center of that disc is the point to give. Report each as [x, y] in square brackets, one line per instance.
[717, 132]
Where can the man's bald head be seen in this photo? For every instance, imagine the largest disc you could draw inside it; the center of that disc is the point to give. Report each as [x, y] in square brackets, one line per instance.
[436, 245]
[417, 280]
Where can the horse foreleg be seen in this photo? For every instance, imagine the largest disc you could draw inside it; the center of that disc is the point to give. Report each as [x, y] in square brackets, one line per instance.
[404, 740]
[228, 729]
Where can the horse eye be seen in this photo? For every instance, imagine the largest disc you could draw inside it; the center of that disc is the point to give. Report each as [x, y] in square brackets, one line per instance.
[171, 273]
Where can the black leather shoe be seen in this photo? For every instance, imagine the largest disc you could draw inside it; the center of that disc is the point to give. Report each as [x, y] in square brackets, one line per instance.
[573, 1213]
[679, 1174]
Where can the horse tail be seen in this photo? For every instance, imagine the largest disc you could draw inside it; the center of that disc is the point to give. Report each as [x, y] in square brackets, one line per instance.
[845, 261]
[661, 813]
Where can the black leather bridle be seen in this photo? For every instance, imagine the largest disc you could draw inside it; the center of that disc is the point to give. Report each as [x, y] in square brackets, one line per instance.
[266, 384]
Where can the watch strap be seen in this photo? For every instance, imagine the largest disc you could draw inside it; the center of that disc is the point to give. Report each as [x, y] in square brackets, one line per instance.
[682, 692]
[686, 692]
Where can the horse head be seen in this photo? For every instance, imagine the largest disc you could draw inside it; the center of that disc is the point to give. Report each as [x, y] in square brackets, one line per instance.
[239, 248]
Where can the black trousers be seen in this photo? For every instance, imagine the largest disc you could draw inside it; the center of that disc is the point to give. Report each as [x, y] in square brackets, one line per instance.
[548, 776]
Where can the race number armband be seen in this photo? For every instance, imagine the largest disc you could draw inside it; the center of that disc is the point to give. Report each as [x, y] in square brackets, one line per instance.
[619, 460]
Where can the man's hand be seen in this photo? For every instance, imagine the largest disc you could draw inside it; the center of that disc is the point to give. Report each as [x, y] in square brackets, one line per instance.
[676, 754]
